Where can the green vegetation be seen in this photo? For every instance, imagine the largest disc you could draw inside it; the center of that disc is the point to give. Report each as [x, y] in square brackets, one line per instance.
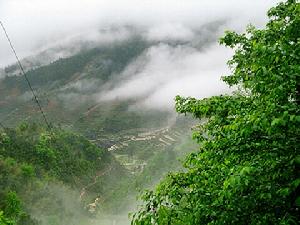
[37, 166]
[61, 154]
[4, 221]
[247, 168]
[157, 165]
[51, 177]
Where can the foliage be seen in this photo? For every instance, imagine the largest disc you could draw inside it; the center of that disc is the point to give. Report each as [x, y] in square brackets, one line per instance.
[12, 205]
[247, 168]
[53, 153]
[39, 167]
[4, 220]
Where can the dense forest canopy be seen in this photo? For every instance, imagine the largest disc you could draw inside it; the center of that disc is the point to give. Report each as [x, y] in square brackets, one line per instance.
[247, 168]
[37, 166]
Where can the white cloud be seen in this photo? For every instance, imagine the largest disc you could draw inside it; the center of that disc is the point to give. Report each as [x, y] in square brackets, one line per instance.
[168, 71]
[168, 31]
[33, 24]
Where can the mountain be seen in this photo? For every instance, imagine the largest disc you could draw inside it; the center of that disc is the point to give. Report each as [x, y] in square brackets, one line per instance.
[138, 145]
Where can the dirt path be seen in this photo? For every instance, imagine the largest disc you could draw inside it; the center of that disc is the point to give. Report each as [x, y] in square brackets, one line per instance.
[85, 188]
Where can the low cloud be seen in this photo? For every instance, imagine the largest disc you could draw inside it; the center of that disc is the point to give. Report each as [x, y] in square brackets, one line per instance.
[184, 57]
[167, 71]
[170, 31]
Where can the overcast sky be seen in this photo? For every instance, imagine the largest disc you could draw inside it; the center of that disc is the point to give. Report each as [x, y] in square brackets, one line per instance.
[33, 24]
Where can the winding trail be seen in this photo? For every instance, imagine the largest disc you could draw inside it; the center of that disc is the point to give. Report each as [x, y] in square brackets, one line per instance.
[85, 188]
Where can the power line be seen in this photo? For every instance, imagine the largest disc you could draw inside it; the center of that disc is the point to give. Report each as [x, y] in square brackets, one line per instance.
[26, 78]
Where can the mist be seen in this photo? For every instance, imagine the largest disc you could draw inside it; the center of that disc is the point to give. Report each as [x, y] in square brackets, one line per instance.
[170, 71]
[35, 25]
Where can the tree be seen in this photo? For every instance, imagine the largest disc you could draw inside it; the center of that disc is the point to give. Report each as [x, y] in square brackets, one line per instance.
[247, 168]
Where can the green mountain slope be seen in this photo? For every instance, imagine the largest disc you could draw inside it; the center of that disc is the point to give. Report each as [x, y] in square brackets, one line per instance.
[69, 169]
[42, 171]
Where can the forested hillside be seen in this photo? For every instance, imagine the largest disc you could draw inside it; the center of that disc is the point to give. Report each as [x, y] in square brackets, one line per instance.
[40, 170]
[247, 168]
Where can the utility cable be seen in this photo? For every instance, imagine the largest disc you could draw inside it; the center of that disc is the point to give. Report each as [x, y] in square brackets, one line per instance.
[26, 78]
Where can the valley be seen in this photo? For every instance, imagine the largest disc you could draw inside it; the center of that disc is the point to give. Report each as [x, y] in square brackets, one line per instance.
[137, 139]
